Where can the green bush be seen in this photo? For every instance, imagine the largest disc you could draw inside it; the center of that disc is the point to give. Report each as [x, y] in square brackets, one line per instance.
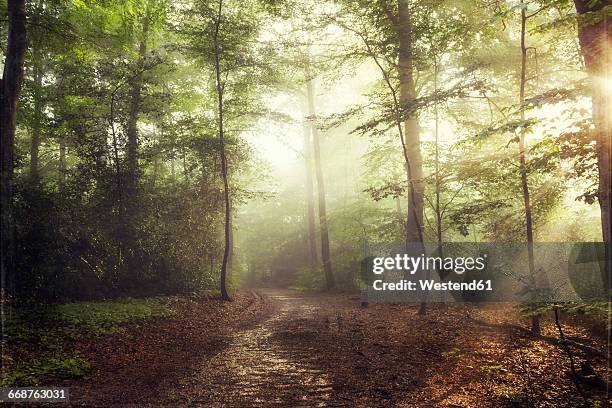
[307, 279]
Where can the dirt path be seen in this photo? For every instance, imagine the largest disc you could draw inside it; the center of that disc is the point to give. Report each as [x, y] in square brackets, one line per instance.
[279, 348]
[257, 369]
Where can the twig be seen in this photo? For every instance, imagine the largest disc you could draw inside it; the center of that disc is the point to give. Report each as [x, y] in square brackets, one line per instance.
[569, 354]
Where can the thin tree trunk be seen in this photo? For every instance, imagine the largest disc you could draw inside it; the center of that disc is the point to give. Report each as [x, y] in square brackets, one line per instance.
[414, 230]
[325, 253]
[172, 168]
[535, 319]
[155, 158]
[310, 207]
[596, 47]
[38, 100]
[438, 180]
[224, 169]
[62, 164]
[36, 126]
[438, 208]
[119, 180]
[135, 101]
[411, 137]
[230, 259]
[10, 87]
[570, 355]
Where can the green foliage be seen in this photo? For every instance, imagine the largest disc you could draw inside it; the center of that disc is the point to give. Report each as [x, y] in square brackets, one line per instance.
[597, 313]
[308, 280]
[40, 338]
[100, 316]
[86, 227]
[76, 318]
[594, 315]
[46, 369]
[100, 75]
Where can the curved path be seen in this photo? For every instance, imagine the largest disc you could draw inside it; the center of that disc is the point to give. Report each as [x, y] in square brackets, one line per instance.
[262, 366]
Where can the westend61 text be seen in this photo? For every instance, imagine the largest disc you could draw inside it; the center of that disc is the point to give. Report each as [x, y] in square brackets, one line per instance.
[429, 285]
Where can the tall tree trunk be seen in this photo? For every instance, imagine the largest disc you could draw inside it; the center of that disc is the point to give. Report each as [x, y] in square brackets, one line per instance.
[130, 181]
[535, 319]
[224, 169]
[325, 253]
[156, 156]
[186, 172]
[38, 100]
[172, 167]
[10, 87]
[119, 183]
[310, 208]
[414, 166]
[411, 138]
[438, 179]
[62, 164]
[596, 46]
[230, 259]
[135, 101]
[36, 126]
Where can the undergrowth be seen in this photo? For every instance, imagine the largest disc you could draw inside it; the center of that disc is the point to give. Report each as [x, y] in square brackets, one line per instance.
[37, 340]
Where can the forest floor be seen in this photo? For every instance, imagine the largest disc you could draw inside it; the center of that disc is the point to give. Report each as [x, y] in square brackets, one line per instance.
[284, 348]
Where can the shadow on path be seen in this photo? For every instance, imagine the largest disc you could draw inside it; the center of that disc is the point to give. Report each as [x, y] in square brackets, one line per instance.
[256, 370]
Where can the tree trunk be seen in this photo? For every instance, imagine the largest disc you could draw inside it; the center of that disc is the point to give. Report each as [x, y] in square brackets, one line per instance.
[120, 231]
[438, 208]
[135, 101]
[411, 137]
[36, 126]
[172, 167]
[230, 259]
[596, 47]
[62, 164]
[438, 179]
[10, 87]
[310, 209]
[325, 253]
[38, 100]
[535, 319]
[224, 170]
[414, 165]
[156, 156]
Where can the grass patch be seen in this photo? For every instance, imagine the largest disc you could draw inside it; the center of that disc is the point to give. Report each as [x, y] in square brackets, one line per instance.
[38, 339]
[103, 317]
[51, 367]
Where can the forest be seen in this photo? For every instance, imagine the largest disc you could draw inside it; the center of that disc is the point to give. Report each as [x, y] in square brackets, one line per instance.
[193, 193]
